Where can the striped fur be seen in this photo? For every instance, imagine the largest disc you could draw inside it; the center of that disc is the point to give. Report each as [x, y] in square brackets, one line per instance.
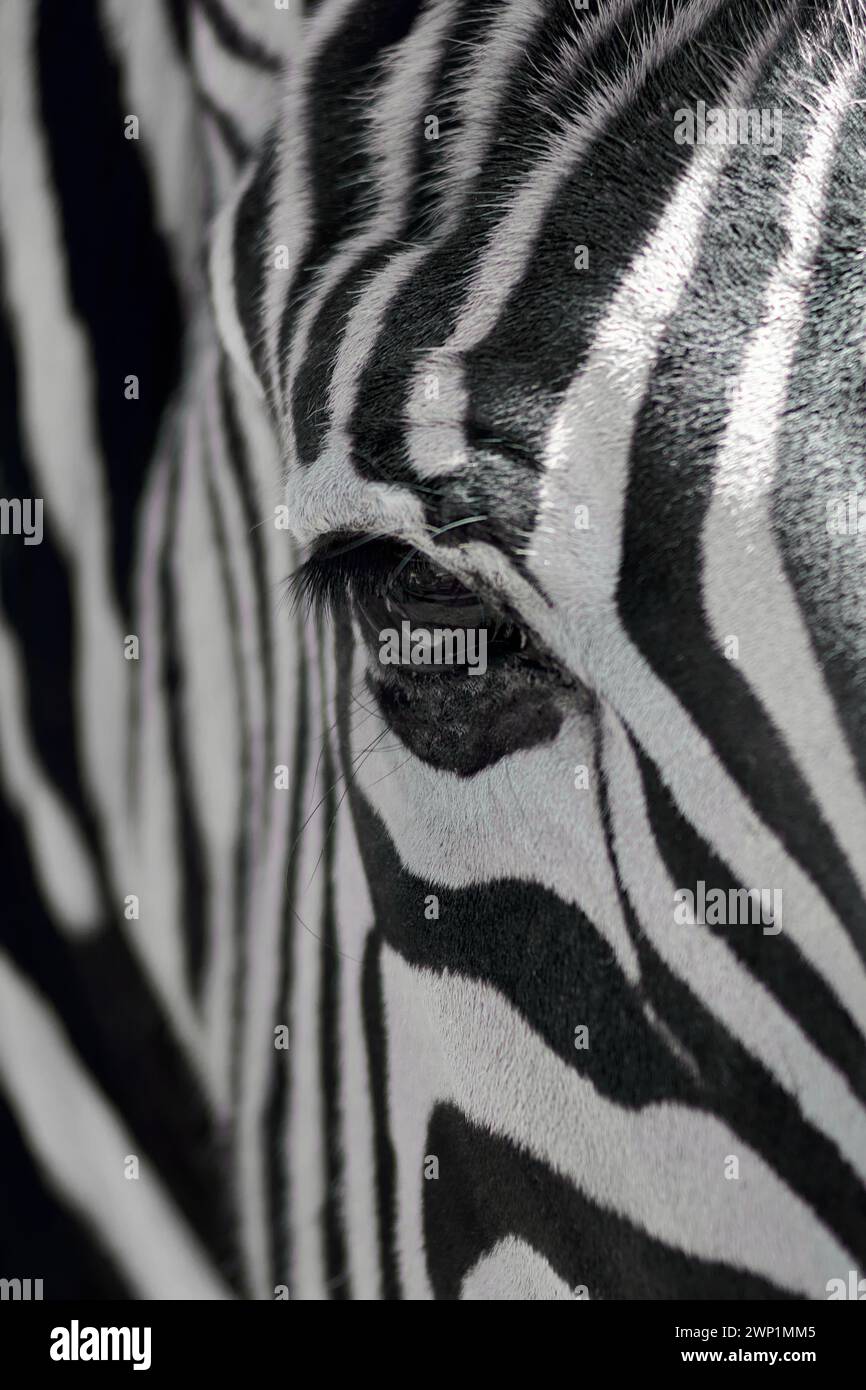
[288, 262]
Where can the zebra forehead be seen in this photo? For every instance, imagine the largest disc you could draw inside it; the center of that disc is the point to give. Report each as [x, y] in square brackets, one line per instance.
[469, 295]
[495, 308]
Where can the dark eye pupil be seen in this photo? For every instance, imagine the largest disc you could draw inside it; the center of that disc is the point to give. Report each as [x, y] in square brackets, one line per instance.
[424, 581]
[421, 594]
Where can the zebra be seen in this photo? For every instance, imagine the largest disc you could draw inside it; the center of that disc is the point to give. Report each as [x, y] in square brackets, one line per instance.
[329, 979]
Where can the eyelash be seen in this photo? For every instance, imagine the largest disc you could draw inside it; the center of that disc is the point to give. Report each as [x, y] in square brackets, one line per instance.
[363, 572]
[345, 569]
[364, 569]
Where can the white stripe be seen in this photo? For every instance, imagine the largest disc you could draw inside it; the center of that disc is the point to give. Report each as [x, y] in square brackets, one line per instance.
[221, 263]
[579, 570]
[210, 729]
[503, 260]
[248, 818]
[711, 970]
[245, 92]
[277, 31]
[522, 818]
[219, 158]
[157, 89]
[512, 1270]
[452, 1039]
[266, 914]
[746, 589]
[708, 798]
[266, 923]
[61, 859]
[333, 495]
[354, 915]
[306, 1138]
[81, 1147]
[290, 220]
[56, 378]
[156, 834]
[394, 126]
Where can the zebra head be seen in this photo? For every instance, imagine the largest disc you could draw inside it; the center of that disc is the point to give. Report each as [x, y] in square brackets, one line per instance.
[489, 924]
[555, 315]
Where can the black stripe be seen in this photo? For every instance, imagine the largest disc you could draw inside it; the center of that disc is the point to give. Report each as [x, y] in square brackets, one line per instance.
[310, 389]
[376, 1036]
[373, 1004]
[673, 458]
[373, 1007]
[118, 269]
[541, 954]
[345, 70]
[36, 596]
[196, 887]
[235, 40]
[227, 126]
[109, 1010]
[122, 1039]
[249, 251]
[340, 168]
[239, 462]
[40, 1238]
[516, 377]
[330, 1051]
[177, 12]
[821, 439]
[741, 1091]
[277, 1107]
[775, 961]
[489, 1189]
[241, 849]
[424, 314]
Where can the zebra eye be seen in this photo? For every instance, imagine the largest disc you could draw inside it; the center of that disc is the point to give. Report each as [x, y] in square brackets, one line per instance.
[426, 596]
[387, 586]
[420, 584]
[423, 580]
